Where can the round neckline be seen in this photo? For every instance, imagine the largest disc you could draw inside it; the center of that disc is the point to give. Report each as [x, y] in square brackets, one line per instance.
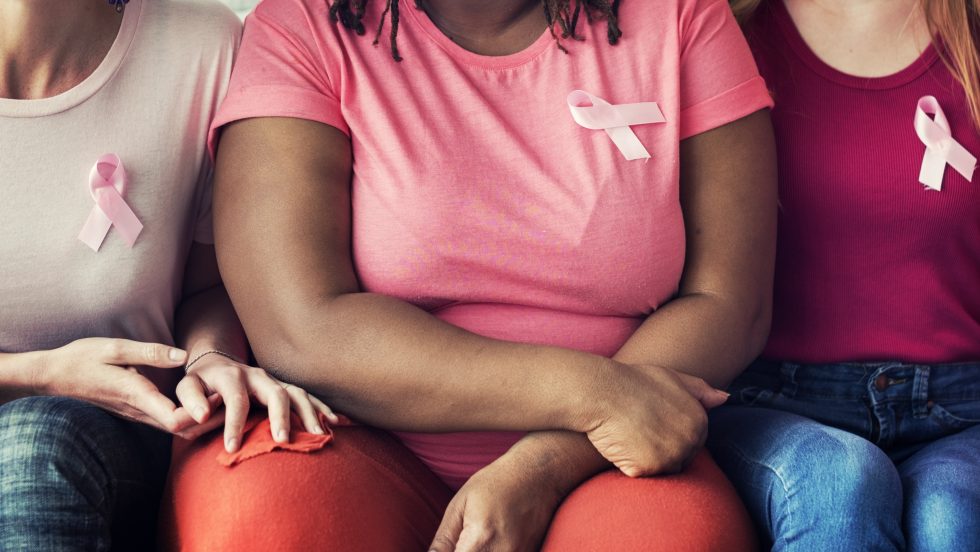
[89, 85]
[799, 46]
[509, 61]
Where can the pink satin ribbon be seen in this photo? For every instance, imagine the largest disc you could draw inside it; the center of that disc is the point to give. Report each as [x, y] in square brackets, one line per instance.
[107, 182]
[941, 148]
[615, 120]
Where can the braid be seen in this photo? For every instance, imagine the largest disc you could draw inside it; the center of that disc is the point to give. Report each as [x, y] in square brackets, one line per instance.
[557, 13]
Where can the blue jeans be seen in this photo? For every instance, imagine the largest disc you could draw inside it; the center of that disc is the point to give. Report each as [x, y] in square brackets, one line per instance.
[862, 457]
[73, 477]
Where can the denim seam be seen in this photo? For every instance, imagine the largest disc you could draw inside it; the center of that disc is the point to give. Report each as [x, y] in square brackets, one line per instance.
[782, 483]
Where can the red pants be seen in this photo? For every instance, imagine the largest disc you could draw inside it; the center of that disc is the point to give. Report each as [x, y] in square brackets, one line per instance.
[365, 491]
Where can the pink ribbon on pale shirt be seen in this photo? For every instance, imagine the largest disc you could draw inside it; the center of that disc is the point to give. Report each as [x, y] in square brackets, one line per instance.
[107, 182]
[615, 120]
[941, 148]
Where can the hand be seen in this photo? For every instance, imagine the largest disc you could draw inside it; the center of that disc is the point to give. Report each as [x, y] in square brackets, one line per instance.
[651, 420]
[103, 371]
[235, 383]
[506, 506]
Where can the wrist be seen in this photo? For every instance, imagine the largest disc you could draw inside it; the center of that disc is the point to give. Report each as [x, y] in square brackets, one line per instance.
[591, 395]
[556, 462]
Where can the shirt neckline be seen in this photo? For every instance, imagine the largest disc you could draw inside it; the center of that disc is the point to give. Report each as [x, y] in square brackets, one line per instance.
[802, 50]
[456, 51]
[91, 84]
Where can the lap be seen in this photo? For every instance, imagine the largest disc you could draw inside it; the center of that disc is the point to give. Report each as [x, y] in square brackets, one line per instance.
[364, 487]
[694, 510]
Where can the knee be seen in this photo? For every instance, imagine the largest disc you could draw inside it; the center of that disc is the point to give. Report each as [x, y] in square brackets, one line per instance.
[832, 470]
[696, 510]
[280, 500]
[942, 507]
[43, 438]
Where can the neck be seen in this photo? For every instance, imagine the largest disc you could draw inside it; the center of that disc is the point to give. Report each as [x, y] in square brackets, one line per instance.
[48, 47]
[869, 38]
[489, 27]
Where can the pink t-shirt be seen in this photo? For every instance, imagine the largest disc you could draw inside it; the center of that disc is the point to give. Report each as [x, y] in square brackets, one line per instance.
[871, 266]
[475, 194]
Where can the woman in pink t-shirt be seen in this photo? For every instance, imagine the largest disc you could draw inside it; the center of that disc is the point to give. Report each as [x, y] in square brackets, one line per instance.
[109, 288]
[529, 285]
[860, 427]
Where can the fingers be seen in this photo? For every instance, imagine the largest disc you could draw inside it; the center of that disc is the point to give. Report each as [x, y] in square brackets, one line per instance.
[192, 396]
[449, 529]
[146, 398]
[216, 420]
[303, 405]
[326, 411]
[124, 352]
[230, 384]
[269, 392]
[708, 396]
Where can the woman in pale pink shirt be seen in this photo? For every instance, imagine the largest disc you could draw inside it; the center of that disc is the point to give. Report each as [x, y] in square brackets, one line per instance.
[437, 246]
[95, 334]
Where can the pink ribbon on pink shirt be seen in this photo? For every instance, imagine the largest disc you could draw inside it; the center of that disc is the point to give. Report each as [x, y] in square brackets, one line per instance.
[107, 182]
[941, 148]
[594, 113]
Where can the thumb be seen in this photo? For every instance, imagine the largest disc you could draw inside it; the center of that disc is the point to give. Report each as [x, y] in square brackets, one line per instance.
[449, 529]
[708, 396]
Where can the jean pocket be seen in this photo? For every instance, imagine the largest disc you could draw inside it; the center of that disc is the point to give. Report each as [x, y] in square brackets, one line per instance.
[957, 415]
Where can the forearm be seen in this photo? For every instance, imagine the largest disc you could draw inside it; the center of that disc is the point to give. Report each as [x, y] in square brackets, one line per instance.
[390, 364]
[701, 335]
[710, 336]
[19, 374]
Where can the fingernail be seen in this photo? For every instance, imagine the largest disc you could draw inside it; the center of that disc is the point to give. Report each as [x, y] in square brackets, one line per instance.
[282, 436]
[199, 413]
[231, 444]
[318, 430]
[175, 354]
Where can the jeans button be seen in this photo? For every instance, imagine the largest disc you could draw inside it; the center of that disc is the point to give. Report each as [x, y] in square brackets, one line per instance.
[881, 382]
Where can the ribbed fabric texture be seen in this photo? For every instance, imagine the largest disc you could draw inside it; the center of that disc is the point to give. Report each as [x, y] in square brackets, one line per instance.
[871, 264]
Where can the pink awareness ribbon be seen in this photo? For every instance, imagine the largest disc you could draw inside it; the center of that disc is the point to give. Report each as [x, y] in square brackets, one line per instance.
[941, 148]
[107, 182]
[594, 113]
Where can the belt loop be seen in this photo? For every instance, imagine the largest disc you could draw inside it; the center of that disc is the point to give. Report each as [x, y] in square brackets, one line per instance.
[787, 380]
[920, 391]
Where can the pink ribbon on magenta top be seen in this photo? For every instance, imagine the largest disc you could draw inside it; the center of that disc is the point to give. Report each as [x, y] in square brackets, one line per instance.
[594, 113]
[941, 148]
[107, 182]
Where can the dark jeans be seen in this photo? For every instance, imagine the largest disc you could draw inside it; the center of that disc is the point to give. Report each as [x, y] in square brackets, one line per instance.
[882, 456]
[73, 477]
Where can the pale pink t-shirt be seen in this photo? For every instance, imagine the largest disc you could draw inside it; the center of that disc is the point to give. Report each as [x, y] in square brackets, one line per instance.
[150, 102]
[475, 194]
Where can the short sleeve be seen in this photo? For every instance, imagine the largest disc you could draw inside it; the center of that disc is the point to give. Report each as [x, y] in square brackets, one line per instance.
[281, 70]
[719, 80]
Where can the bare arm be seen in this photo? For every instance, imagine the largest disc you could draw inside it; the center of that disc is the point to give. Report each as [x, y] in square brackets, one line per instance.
[282, 208]
[720, 320]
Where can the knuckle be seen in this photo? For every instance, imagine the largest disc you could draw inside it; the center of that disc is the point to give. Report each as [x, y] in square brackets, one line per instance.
[112, 349]
[150, 352]
[237, 402]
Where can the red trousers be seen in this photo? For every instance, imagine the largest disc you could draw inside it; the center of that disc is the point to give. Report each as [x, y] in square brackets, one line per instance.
[367, 492]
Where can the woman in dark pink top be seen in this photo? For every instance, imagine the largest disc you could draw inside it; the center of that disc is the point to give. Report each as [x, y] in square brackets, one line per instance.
[858, 429]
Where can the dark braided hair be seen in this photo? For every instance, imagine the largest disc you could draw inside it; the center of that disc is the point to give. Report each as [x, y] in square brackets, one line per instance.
[350, 13]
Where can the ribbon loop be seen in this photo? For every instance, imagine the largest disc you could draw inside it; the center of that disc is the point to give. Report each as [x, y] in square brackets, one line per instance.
[941, 148]
[107, 182]
[594, 113]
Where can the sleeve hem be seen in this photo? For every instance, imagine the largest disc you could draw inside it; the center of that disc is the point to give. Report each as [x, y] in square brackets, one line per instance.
[289, 101]
[731, 105]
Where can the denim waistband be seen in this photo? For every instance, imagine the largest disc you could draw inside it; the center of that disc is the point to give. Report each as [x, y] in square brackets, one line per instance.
[854, 380]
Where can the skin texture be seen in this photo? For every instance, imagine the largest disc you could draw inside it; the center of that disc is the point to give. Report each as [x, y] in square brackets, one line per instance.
[867, 38]
[44, 52]
[392, 365]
